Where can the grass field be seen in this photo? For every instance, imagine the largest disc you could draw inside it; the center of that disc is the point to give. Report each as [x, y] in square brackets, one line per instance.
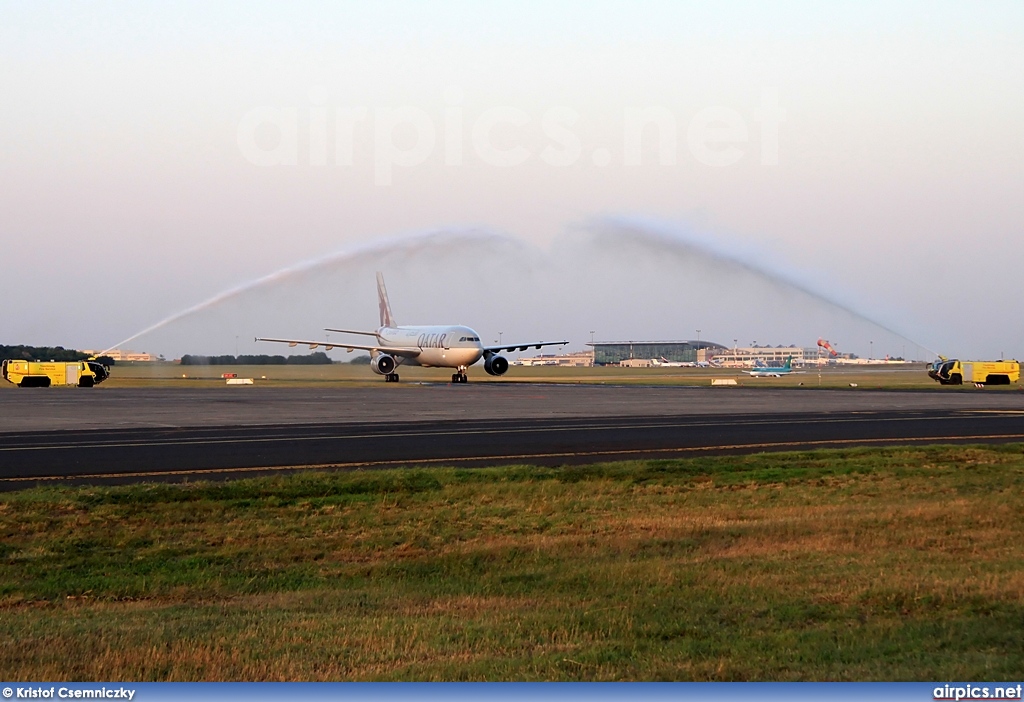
[912, 376]
[893, 564]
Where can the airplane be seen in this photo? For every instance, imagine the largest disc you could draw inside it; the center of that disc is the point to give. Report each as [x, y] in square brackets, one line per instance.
[453, 346]
[772, 371]
[665, 363]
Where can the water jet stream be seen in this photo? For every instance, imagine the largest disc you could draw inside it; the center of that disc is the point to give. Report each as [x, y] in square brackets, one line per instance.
[408, 245]
[575, 285]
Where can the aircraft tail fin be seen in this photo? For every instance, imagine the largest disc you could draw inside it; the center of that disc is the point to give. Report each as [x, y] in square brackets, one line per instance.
[789, 363]
[386, 320]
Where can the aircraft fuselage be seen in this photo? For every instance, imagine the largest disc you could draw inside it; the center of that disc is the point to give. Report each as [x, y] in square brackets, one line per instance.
[440, 346]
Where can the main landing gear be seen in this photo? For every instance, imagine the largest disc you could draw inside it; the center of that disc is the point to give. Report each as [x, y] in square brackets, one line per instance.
[391, 378]
[460, 377]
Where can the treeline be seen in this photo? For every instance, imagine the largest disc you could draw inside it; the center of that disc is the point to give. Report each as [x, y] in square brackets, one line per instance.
[313, 359]
[47, 353]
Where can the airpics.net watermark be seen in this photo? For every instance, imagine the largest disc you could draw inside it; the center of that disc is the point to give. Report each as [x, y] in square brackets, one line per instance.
[407, 136]
[973, 693]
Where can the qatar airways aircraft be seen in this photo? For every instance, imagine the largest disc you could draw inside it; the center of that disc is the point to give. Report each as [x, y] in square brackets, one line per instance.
[455, 347]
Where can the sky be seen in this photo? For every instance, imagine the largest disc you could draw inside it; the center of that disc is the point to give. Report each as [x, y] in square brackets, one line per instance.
[772, 172]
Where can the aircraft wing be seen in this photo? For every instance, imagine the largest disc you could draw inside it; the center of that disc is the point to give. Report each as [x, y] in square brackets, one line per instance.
[403, 351]
[353, 331]
[522, 347]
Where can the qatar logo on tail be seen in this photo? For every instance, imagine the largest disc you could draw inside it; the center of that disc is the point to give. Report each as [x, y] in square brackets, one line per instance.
[386, 320]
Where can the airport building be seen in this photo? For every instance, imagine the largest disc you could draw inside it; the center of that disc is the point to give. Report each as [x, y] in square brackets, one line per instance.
[119, 355]
[615, 352]
[744, 357]
[581, 358]
[637, 363]
[643, 354]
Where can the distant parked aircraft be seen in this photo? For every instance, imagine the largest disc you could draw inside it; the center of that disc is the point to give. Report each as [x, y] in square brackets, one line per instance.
[772, 371]
[435, 346]
[665, 363]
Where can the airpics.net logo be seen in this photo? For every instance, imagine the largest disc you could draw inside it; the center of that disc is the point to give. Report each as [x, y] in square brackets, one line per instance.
[978, 692]
[403, 137]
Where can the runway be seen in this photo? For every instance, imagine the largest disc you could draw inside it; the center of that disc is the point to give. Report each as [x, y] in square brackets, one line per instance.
[168, 434]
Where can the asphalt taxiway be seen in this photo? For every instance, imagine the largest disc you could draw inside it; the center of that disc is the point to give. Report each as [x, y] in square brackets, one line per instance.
[124, 435]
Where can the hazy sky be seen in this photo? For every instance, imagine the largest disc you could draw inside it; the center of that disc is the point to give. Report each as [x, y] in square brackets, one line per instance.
[154, 155]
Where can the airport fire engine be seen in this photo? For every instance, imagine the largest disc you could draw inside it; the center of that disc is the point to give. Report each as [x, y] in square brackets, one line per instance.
[950, 371]
[43, 374]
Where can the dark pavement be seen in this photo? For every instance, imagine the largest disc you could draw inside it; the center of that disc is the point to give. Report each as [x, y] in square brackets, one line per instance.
[210, 452]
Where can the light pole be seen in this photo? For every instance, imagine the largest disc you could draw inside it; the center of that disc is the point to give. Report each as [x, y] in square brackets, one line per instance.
[871, 350]
[591, 337]
[499, 336]
[696, 353]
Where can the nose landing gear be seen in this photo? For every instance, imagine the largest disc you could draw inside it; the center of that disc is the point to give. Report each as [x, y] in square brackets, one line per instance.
[460, 377]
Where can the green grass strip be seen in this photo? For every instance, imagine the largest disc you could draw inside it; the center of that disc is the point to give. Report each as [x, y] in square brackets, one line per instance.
[861, 564]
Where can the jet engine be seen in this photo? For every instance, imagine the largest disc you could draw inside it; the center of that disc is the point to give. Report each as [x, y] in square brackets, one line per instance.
[383, 364]
[496, 365]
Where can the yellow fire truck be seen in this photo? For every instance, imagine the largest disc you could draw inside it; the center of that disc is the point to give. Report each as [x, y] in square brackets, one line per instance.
[950, 371]
[43, 374]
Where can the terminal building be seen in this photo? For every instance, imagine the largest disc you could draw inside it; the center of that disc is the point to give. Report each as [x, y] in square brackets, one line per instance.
[613, 353]
[642, 354]
[119, 355]
[744, 357]
[580, 358]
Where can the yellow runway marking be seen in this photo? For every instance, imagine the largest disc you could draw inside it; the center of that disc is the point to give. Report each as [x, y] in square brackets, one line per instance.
[993, 411]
